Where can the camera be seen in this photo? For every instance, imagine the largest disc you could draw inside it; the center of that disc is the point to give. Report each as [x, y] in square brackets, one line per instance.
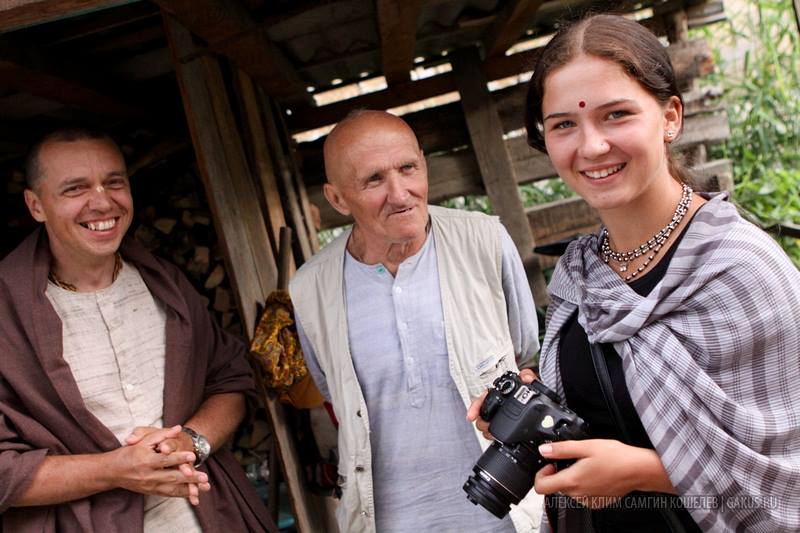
[521, 417]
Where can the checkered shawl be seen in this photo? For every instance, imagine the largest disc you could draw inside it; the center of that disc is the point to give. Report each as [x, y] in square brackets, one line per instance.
[712, 362]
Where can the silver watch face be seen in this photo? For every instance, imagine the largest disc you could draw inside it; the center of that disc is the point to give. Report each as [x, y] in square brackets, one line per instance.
[203, 448]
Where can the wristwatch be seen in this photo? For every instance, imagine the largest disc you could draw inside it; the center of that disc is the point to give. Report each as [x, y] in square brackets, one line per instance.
[200, 446]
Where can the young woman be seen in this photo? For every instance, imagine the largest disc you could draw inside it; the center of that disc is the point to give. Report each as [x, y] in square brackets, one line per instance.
[693, 311]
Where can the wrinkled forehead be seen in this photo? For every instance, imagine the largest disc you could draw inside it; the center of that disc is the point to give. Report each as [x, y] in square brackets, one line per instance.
[369, 147]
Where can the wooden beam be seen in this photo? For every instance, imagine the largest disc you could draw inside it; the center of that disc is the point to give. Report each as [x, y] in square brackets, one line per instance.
[159, 152]
[262, 160]
[22, 78]
[226, 177]
[238, 218]
[302, 193]
[16, 14]
[558, 220]
[306, 118]
[284, 168]
[146, 66]
[509, 26]
[397, 24]
[562, 219]
[714, 175]
[130, 40]
[231, 31]
[690, 59]
[497, 173]
[20, 106]
[109, 23]
[442, 128]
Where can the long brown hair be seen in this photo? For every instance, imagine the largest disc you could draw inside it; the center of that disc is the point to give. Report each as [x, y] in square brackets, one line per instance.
[615, 38]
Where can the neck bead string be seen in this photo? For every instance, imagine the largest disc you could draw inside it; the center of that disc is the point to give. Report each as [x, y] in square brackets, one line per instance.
[649, 248]
[72, 288]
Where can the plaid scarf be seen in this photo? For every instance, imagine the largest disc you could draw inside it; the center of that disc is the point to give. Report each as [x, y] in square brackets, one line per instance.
[712, 362]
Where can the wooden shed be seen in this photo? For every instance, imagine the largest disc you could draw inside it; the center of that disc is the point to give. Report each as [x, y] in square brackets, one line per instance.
[221, 108]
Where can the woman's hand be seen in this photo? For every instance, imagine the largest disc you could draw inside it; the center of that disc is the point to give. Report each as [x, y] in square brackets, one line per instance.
[473, 413]
[604, 470]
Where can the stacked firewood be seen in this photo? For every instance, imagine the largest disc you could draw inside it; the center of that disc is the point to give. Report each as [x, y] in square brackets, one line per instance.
[176, 224]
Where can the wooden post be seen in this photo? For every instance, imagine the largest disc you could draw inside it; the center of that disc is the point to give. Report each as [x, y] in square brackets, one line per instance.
[226, 177]
[262, 160]
[677, 25]
[285, 172]
[497, 172]
[302, 193]
[237, 214]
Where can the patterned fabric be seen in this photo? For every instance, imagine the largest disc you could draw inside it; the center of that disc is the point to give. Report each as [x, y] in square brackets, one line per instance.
[712, 362]
[275, 345]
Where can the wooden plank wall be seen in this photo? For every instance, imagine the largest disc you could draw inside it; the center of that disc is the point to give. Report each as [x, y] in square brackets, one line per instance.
[494, 162]
[248, 235]
[454, 166]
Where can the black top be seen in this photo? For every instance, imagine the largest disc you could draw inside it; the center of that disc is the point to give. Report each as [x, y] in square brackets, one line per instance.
[584, 396]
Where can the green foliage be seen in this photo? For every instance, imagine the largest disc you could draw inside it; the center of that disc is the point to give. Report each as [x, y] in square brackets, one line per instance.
[469, 203]
[762, 97]
[542, 192]
[327, 236]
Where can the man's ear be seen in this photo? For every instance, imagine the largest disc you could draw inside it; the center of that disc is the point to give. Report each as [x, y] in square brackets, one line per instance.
[34, 205]
[335, 198]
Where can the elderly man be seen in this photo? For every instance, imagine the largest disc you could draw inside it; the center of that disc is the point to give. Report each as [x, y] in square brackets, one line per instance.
[104, 350]
[403, 320]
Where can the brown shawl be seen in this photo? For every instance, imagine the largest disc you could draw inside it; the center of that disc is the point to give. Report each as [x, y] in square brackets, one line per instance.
[42, 412]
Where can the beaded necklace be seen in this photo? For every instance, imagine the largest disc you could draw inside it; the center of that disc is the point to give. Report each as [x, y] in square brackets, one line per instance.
[653, 245]
[72, 288]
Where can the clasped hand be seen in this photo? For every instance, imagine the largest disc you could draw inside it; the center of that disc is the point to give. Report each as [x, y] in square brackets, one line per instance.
[156, 461]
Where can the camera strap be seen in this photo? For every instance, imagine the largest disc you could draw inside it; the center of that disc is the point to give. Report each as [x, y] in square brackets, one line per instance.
[601, 369]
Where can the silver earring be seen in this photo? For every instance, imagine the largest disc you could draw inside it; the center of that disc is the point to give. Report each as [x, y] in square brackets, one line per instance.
[670, 134]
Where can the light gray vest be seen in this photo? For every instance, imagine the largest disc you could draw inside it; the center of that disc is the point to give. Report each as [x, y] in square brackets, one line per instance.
[468, 255]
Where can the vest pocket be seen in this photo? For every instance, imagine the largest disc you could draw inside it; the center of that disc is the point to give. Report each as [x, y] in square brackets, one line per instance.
[483, 373]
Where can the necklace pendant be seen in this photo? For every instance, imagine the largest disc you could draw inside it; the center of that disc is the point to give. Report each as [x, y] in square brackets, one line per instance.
[623, 267]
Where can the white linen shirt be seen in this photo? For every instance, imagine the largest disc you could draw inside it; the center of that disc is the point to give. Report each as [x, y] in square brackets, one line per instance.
[115, 344]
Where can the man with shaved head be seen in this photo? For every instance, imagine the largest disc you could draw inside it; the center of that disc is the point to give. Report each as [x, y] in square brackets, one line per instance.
[404, 319]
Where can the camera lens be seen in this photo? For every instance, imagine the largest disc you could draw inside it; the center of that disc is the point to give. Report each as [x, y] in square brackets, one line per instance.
[505, 385]
[501, 478]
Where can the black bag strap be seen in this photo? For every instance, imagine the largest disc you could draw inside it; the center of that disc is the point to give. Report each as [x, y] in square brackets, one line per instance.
[601, 369]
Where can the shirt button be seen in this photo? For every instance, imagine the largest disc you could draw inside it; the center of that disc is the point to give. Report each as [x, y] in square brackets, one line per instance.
[364, 513]
[129, 386]
[359, 468]
[398, 290]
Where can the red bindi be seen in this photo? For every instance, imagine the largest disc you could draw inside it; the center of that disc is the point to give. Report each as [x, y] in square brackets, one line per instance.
[582, 104]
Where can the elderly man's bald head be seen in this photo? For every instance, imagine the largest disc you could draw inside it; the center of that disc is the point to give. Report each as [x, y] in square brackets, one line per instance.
[377, 173]
[356, 129]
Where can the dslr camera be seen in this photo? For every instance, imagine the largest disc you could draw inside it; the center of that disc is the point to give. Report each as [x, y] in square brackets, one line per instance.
[521, 417]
